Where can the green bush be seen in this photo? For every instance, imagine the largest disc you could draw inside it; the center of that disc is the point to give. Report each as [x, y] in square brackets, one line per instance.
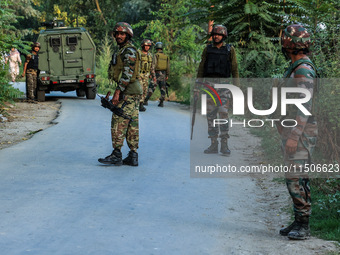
[104, 56]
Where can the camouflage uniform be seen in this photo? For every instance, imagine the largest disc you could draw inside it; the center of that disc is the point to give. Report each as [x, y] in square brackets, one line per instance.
[219, 74]
[161, 74]
[124, 70]
[212, 110]
[305, 133]
[120, 127]
[302, 74]
[32, 72]
[123, 128]
[146, 72]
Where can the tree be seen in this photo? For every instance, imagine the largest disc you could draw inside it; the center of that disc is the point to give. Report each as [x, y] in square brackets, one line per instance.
[172, 26]
[8, 39]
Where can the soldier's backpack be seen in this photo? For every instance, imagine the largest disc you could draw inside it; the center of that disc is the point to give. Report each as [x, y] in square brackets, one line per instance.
[162, 62]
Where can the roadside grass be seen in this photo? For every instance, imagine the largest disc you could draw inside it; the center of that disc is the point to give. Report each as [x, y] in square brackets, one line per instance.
[325, 192]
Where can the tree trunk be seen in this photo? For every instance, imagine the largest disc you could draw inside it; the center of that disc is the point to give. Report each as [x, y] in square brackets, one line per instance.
[100, 11]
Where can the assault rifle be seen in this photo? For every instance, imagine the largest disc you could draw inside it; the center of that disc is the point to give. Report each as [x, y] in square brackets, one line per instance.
[167, 85]
[106, 103]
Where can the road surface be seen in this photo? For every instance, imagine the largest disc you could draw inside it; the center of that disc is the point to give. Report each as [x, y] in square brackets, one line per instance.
[57, 199]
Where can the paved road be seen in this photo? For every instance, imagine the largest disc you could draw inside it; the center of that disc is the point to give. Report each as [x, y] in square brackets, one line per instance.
[57, 199]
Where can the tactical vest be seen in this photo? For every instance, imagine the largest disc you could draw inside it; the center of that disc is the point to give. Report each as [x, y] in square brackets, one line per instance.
[146, 62]
[34, 62]
[218, 62]
[116, 71]
[162, 62]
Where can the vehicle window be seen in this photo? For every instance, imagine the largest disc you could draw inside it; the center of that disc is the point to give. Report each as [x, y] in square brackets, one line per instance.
[55, 41]
[72, 40]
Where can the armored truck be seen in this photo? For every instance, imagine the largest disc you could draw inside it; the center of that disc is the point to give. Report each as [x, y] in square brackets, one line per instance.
[66, 62]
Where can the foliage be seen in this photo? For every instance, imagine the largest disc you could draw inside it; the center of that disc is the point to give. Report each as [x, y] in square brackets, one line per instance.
[261, 58]
[172, 27]
[8, 39]
[7, 92]
[103, 61]
[326, 208]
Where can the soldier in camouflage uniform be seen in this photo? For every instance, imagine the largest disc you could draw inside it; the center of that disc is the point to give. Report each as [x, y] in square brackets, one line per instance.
[31, 70]
[298, 142]
[147, 70]
[125, 72]
[217, 65]
[161, 64]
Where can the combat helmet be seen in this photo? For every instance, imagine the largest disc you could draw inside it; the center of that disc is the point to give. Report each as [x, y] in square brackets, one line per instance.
[159, 45]
[295, 37]
[220, 30]
[123, 27]
[146, 42]
[35, 44]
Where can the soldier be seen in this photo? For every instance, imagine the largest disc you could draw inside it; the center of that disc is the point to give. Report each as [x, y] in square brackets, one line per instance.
[125, 72]
[162, 72]
[298, 142]
[218, 62]
[31, 70]
[147, 70]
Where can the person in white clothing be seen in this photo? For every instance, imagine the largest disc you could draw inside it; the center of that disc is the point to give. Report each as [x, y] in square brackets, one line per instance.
[14, 61]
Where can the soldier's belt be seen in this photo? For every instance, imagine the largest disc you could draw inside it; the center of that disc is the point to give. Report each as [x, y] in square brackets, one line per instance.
[32, 71]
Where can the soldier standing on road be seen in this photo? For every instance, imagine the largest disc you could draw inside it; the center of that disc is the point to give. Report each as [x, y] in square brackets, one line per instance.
[218, 63]
[125, 72]
[146, 71]
[298, 142]
[31, 70]
[14, 61]
[162, 71]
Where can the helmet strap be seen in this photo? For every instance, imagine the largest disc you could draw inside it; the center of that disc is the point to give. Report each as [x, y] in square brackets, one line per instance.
[285, 53]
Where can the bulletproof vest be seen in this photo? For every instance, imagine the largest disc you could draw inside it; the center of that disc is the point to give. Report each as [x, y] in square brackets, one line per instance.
[116, 70]
[162, 62]
[218, 62]
[34, 62]
[146, 61]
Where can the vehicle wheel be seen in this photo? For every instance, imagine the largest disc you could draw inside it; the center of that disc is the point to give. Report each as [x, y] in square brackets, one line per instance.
[80, 93]
[41, 95]
[91, 92]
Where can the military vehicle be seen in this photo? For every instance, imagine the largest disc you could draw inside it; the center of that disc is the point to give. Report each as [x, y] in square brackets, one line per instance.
[66, 61]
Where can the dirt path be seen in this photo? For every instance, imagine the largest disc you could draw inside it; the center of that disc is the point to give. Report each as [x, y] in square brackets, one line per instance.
[26, 119]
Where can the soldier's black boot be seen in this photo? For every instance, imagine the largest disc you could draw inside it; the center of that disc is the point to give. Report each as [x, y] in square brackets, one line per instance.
[114, 159]
[147, 99]
[161, 104]
[131, 159]
[285, 231]
[224, 147]
[213, 148]
[301, 229]
[141, 107]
